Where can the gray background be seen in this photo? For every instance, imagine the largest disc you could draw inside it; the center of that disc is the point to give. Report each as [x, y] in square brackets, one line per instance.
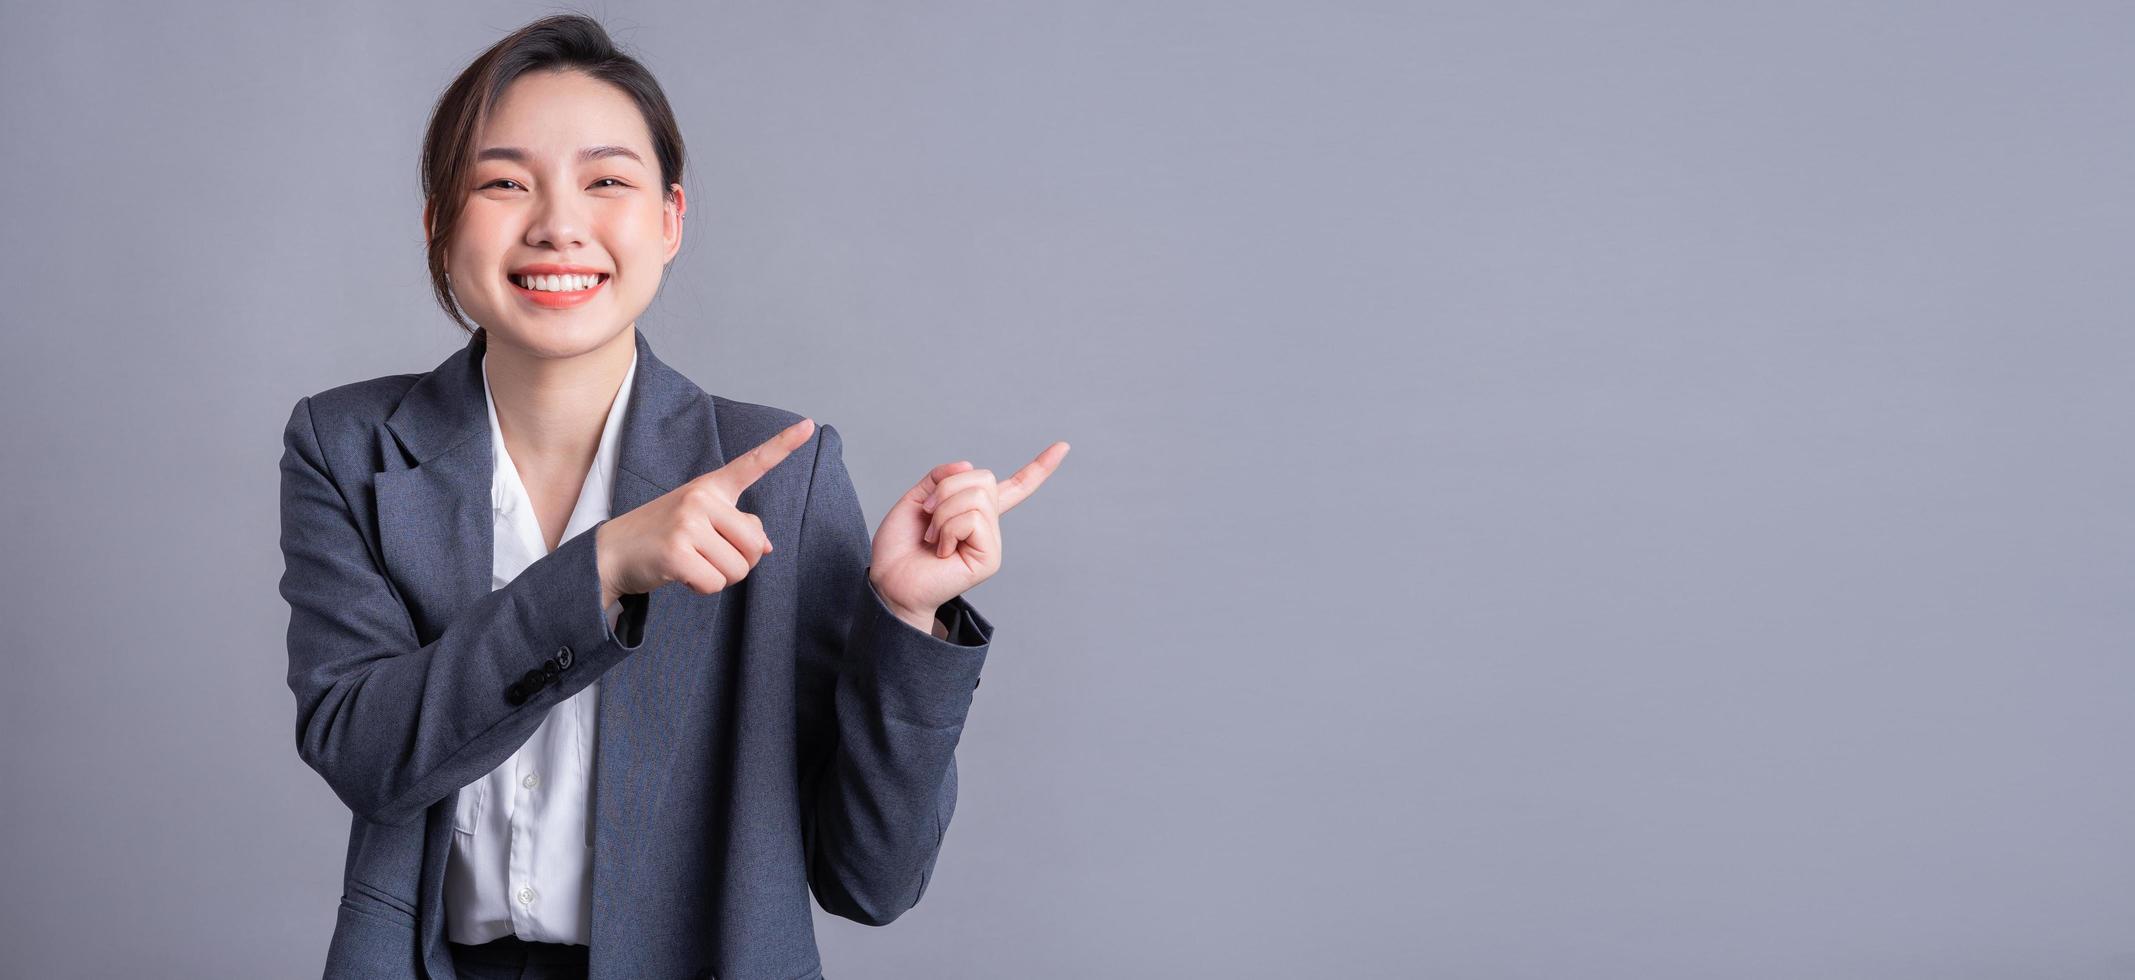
[1599, 490]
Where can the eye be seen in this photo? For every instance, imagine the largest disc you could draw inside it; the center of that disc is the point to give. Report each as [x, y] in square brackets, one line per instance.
[500, 180]
[604, 180]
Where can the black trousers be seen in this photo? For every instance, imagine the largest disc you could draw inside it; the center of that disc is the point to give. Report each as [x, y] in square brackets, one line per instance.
[513, 958]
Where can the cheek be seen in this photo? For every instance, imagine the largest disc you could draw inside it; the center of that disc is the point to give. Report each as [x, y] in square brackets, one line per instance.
[635, 238]
[478, 242]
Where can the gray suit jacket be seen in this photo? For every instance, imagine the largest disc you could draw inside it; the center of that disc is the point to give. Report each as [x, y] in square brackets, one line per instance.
[783, 737]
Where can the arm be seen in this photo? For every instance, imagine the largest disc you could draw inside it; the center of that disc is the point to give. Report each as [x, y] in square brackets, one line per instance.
[884, 788]
[929, 622]
[394, 724]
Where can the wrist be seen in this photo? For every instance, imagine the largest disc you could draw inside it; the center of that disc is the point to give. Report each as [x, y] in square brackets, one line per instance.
[609, 594]
[927, 622]
[923, 620]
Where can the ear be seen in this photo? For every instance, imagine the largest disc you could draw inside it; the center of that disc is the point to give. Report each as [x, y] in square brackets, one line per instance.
[671, 223]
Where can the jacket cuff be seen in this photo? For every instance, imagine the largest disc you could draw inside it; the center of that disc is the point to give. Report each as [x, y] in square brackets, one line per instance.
[923, 679]
[561, 603]
[628, 629]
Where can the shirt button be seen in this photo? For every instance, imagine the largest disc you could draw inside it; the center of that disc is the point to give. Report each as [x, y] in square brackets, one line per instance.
[526, 896]
[532, 780]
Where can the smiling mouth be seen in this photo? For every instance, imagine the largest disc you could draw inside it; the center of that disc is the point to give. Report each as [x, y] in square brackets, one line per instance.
[559, 292]
[559, 284]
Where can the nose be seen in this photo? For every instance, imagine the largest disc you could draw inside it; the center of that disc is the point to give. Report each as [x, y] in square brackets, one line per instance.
[557, 223]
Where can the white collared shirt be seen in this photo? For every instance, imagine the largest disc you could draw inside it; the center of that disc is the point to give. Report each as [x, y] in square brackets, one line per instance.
[522, 841]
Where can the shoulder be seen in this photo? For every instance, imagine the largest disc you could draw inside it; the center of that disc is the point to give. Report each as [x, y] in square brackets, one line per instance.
[366, 402]
[745, 425]
[347, 412]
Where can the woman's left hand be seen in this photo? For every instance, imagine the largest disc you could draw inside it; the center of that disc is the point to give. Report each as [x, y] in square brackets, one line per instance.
[944, 535]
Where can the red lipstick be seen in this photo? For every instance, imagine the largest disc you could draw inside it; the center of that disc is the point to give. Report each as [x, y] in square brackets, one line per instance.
[555, 299]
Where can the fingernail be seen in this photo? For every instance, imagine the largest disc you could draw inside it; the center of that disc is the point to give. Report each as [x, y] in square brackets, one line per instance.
[927, 505]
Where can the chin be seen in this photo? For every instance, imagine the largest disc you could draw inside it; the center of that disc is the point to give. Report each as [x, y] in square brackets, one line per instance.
[557, 337]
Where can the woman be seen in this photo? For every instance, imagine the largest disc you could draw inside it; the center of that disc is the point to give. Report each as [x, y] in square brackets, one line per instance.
[624, 721]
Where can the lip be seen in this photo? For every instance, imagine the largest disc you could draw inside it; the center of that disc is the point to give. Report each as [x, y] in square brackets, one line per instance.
[554, 269]
[554, 300]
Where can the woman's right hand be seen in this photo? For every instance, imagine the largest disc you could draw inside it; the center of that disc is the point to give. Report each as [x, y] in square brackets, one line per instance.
[693, 534]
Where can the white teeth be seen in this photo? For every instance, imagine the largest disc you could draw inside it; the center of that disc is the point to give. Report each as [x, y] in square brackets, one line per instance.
[557, 284]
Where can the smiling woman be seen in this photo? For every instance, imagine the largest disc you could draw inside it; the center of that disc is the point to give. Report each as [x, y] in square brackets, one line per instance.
[590, 722]
[554, 140]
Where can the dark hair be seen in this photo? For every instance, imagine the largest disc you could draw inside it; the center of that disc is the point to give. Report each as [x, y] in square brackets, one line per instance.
[558, 43]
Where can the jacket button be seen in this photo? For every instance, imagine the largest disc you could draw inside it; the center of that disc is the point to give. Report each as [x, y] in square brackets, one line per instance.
[515, 695]
[563, 658]
[534, 679]
[975, 684]
[549, 670]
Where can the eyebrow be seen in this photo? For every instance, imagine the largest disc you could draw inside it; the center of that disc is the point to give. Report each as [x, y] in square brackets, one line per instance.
[587, 155]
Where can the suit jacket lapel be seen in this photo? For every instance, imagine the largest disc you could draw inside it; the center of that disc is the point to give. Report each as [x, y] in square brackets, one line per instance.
[434, 519]
[670, 436]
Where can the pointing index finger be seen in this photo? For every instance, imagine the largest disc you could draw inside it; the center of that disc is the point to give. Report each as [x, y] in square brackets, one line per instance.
[1019, 487]
[750, 466]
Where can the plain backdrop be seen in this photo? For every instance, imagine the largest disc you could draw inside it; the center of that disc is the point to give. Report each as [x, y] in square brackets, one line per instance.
[1600, 490]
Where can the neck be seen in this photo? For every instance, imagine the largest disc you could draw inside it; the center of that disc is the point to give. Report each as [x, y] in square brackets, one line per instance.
[553, 408]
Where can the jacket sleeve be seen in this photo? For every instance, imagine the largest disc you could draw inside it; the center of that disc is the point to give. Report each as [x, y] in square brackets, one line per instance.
[393, 724]
[884, 791]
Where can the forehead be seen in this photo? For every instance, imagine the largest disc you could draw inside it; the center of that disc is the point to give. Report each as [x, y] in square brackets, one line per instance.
[552, 114]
